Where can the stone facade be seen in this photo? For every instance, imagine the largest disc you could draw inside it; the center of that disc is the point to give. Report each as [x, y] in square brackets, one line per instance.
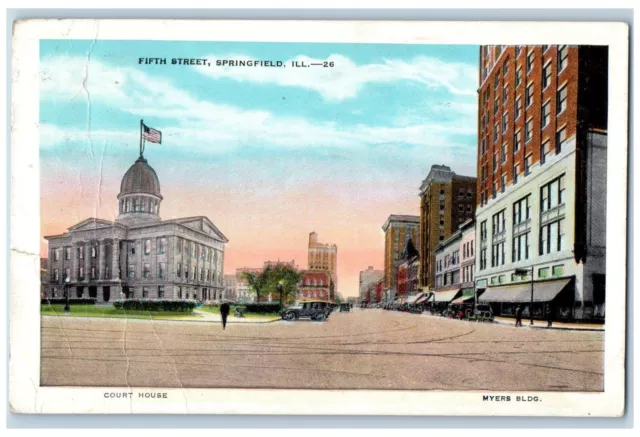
[138, 255]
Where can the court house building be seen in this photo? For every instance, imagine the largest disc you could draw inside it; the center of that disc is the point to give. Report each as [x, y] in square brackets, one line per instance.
[138, 255]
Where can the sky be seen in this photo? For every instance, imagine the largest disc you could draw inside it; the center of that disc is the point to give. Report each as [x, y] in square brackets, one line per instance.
[268, 154]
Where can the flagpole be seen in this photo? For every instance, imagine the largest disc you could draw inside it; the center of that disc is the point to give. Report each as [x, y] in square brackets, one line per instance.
[141, 147]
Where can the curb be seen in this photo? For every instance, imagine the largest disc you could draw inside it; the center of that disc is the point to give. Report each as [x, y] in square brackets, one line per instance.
[559, 328]
[500, 322]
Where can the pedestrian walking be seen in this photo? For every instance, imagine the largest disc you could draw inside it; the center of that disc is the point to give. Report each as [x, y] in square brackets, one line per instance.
[549, 315]
[224, 312]
[518, 315]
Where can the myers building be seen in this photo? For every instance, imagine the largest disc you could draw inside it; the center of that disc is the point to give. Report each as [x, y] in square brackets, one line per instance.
[138, 255]
[542, 188]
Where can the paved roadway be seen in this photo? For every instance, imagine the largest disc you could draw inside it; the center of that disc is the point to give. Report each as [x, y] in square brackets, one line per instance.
[370, 349]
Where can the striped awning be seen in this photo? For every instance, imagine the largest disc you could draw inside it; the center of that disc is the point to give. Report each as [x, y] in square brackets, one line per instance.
[425, 297]
[413, 299]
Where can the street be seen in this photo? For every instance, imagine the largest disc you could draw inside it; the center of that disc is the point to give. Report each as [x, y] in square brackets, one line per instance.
[364, 349]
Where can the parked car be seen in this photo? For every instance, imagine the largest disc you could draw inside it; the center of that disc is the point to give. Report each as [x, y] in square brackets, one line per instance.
[315, 310]
[345, 308]
[483, 312]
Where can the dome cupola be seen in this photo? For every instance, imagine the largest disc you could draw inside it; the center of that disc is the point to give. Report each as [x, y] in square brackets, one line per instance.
[139, 197]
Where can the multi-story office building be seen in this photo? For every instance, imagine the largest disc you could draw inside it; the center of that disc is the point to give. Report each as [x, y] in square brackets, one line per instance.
[454, 266]
[138, 255]
[542, 148]
[397, 229]
[446, 201]
[324, 257]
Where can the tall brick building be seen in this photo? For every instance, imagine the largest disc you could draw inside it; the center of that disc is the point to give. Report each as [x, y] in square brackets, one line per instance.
[324, 257]
[446, 201]
[397, 229]
[542, 141]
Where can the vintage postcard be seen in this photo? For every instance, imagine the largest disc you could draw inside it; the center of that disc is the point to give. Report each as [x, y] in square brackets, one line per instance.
[262, 217]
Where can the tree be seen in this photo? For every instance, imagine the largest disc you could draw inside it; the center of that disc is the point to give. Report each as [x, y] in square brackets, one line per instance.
[286, 276]
[258, 282]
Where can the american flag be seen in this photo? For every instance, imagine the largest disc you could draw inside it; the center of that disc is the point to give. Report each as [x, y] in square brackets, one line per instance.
[150, 134]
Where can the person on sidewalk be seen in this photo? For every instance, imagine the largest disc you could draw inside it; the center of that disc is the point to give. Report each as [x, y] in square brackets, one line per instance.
[549, 315]
[224, 312]
[518, 315]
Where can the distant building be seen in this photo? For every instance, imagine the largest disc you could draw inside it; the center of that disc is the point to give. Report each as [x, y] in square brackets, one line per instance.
[408, 271]
[542, 166]
[138, 255]
[367, 278]
[291, 264]
[316, 285]
[230, 288]
[446, 201]
[324, 257]
[397, 229]
[244, 291]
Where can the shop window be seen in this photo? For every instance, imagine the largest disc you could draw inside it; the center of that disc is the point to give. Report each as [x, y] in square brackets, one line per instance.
[543, 272]
[557, 271]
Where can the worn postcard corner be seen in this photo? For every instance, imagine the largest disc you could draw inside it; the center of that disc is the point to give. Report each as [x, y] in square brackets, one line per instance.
[260, 217]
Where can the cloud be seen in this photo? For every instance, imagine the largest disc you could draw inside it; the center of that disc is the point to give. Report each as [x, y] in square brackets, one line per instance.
[213, 127]
[346, 79]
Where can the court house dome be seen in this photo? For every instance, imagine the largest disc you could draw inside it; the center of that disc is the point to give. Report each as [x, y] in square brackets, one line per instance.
[139, 197]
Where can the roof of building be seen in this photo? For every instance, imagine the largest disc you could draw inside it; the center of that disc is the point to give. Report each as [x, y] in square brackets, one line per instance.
[454, 237]
[140, 178]
[96, 223]
[441, 174]
[400, 218]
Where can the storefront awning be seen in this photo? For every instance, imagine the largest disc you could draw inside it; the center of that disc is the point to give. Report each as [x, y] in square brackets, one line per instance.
[445, 296]
[413, 299]
[425, 297]
[462, 299]
[542, 292]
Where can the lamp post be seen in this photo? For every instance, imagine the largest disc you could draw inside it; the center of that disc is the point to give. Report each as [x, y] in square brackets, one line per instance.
[67, 308]
[280, 288]
[522, 272]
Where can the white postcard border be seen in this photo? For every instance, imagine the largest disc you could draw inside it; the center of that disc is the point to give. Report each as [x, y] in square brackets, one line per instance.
[26, 395]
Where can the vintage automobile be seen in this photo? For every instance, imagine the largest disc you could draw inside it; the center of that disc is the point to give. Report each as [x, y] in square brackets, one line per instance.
[315, 310]
[482, 312]
[345, 308]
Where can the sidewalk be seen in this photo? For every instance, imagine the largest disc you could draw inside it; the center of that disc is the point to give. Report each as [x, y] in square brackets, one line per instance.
[542, 324]
[537, 324]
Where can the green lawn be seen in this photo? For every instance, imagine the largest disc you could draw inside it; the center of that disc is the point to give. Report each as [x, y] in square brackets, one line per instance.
[109, 311]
